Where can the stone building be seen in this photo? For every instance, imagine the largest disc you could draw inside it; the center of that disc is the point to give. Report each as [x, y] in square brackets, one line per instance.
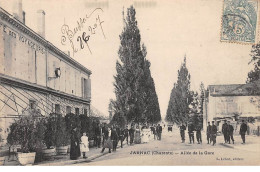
[232, 102]
[35, 75]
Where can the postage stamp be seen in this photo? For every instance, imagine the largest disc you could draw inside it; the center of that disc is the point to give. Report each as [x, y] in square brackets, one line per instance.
[239, 21]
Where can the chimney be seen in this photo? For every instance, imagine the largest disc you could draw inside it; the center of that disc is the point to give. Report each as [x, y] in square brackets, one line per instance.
[23, 17]
[18, 10]
[41, 23]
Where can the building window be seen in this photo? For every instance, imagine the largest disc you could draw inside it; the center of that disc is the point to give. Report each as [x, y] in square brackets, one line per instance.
[32, 104]
[86, 88]
[85, 111]
[68, 109]
[57, 108]
[77, 111]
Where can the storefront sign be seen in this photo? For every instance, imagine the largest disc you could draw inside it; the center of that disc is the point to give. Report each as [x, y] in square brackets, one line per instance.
[8, 31]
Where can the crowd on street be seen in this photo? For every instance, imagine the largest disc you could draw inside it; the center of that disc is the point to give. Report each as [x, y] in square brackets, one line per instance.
[212, 132]
[110, 136]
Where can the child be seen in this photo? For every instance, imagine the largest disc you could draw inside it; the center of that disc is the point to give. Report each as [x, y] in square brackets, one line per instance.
[84, 145]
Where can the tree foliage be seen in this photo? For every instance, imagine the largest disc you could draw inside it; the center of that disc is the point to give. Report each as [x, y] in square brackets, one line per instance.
[136, 98]
[254, 75]
[178, 107]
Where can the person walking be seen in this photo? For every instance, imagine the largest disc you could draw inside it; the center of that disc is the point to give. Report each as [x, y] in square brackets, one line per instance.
[230, 130]
[191, 132]
[121, 136]
[132, 134]
[155, 133]
[126, 134]
[242, 132]
[198, 134]
[145, 135]
[84, 145]
[137, 135]
[214, 131]
[98, 134]
[209, 133]
[114, 137]
[159, 131]
[182, 132]
[224, 131]
[74, 145]
[107, 140]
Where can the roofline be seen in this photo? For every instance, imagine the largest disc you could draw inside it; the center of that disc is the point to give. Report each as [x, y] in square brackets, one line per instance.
[225, 85]
[28, 31]
[41, 89]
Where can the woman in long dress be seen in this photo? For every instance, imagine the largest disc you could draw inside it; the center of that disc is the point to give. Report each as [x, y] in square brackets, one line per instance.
[137, 135]
[107, 140]
[74, 146]
[84, 145]
[145, 135]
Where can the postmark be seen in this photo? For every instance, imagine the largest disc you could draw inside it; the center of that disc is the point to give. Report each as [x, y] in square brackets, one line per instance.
[239, 21]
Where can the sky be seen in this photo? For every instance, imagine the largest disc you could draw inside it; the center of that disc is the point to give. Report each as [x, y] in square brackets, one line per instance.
[169, 29]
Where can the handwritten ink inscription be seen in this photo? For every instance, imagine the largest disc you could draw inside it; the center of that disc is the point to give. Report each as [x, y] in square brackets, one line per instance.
[80, 36]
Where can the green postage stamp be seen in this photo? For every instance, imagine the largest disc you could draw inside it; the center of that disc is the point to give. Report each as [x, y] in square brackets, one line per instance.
[239, 21]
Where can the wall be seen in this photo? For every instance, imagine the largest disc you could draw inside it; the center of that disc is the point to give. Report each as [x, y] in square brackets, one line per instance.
[227, 106]
[21, 57]
[70, 79]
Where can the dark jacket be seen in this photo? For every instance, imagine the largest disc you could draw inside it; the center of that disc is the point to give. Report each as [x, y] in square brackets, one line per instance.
[214, 129]
[105, 132]
[243, 128]
[126, 132]
[190, 128]
[182, 128]
[153, 130]
[159, 129]
[209, 129]
[230, 129]
[114, 135]
[224, 128]
[198, 129]
[98, 131]
[131, 132]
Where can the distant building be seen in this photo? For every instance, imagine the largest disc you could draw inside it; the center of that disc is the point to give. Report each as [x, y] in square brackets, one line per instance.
[232, 102]
[35, 75]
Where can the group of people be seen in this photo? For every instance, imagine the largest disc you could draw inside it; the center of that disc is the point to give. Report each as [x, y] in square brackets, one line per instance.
[78, 145]
[211, 132]
[191, 129]
[136, 134]
[156, 131]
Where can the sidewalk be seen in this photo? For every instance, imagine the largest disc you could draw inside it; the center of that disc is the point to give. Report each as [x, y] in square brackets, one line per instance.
[252, 143]
[63, 160]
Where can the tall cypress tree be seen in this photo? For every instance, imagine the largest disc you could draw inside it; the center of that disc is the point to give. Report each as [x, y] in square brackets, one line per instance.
[254, 75]
[134, 87]
[180, 99]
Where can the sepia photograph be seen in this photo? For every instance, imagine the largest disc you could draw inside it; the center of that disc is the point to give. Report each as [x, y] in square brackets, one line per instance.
[129, 83]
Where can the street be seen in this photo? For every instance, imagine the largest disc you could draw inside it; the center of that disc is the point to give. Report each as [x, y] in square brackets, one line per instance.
[170, 151]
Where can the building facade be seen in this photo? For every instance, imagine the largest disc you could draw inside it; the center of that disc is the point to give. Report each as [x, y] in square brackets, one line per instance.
[232, 102]
[35, 75]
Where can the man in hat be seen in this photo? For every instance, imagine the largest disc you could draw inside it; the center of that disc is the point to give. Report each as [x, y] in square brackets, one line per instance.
[159, 131]
[230, 130]
[126, 133]
[191, 132]
[209, 133]
[198, 133]
[224, 131]
[214, 131]
[131, 134]
[242, 132]
[182, 132]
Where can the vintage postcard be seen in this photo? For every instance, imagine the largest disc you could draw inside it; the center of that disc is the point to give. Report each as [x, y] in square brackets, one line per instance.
[129, 82]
